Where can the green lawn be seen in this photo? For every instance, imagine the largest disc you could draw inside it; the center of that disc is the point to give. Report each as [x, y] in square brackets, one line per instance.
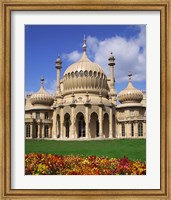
[134, 149]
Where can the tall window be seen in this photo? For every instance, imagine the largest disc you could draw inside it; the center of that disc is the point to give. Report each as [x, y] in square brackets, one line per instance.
[123, 130]
[37, 115]
[140, 129]
[46, 115]
[132, 129]
[27, 130]
[46, 131]
[36, 131]
[97, 128]
[67, 126]
[81, 127]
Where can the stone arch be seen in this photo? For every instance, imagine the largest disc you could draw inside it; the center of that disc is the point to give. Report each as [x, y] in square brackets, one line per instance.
[80, 125]
[67, 109]
[106, 125]
[93, 109]
[67, 125]
[94, 125]
[79, 109]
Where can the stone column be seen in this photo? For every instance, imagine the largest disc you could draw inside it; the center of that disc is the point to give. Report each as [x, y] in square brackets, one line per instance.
[61, 122]
[87, 121]
[144, 129]
[120, 130]
[31, 130]
[72, 135]
[126, 130]
[116, 129]
[129, 130]
[43, 131]
[100, 121]
[54, 125]
[38, 136]
[136, 129]
[50, 132]
[110, 123]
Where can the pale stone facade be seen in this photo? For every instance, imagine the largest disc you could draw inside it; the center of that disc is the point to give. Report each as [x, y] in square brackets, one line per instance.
[85, 106]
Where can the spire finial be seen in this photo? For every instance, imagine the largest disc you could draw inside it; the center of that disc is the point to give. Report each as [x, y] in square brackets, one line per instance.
[129, 76]
[84, 44]
[42, 81]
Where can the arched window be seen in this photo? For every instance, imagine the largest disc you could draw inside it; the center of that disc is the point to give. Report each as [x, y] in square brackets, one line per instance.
[140, 129]
[46, 131]
[27, 130]
[90, 73]
[97, 128]
[81, 126]
[81, 73]
[86, 73]
[67, 126]
[123, 130]
[37, 115]
[46, 115]
[132, 129]
[72, 74]
[76, 74]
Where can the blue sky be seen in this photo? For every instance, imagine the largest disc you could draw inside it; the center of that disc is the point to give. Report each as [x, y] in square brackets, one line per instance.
[43, 43]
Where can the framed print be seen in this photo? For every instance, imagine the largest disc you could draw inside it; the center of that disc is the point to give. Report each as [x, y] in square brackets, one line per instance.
[85, 92]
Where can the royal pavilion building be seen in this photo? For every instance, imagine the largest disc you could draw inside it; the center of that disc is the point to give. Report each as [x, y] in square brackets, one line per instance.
[86, 105]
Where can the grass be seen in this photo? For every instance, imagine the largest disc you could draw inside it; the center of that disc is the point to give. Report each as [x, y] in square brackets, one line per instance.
[134, 149]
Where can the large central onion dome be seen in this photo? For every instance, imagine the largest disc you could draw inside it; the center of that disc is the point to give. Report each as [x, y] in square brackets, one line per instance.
[85, 76]
[130, 94]
[41, 97]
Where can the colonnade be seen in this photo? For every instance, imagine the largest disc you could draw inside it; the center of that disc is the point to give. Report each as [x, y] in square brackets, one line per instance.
[59, 127]
[128, 129]
[37, 130]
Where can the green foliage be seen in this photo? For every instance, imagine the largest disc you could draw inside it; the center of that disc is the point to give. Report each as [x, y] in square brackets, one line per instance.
[134, 149]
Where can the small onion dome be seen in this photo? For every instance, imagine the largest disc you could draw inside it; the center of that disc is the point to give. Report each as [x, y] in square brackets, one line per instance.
[130, 94]
[41, 97]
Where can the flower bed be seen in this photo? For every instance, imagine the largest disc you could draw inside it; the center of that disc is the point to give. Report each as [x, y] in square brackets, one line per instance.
[48, 164]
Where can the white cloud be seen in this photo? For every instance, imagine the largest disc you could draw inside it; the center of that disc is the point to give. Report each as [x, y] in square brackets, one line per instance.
[130, 55]
[73, 56]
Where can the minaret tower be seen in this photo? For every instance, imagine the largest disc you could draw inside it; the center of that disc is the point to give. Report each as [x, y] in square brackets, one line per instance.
[58, 70]
[112, 78]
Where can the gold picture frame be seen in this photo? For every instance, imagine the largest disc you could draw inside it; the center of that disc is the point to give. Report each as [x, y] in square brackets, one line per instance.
[6, 6]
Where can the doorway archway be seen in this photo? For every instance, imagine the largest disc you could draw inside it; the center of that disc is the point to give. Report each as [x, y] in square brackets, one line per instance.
[106, 125]
[94, 125]
[80, 125]
[67, 123]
